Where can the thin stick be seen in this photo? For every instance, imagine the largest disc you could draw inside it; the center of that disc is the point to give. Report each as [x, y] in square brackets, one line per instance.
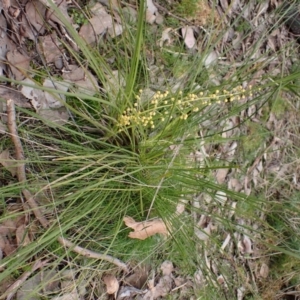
[21, 174]
[12, 127]
[92, 254]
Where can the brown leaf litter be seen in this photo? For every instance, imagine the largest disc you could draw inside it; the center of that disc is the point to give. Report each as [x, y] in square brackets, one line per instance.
[145, 229]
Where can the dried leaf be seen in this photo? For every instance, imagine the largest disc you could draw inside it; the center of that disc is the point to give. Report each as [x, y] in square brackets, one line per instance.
[245, 245]
[55, 100]
[203, 234]
[210, 59]
[8, 163]
[68, 296]
[264, 270]
[115, 30]
[50, 47]
[18, 63]
[138, 278]
[162, 289]
[96, 26]
[35, 12]
[221, 197]
[167, 268]
[166, 38]
[129, 292]
[188, 36]
[221, 175]
[37, 97]
[112, 284]
[85, 81]
[53, 117]
[143, 230]
[22, 236]
[19, 99]
[151, 12]
[56, 17]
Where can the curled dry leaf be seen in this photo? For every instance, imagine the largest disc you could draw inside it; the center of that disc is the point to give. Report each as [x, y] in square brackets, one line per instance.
[112, 284]
[143, 230]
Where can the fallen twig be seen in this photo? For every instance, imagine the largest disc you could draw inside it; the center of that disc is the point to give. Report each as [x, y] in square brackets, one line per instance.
[92, 254]
[21, 174]
[12, 127]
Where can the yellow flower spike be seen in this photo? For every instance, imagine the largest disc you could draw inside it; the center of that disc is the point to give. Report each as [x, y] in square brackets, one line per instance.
[166, 112]
[172, 99]
[196, 109]
[179, 102]
[217, 92]
[201, 94]
[140, 91]
[165, 102]
[152, 126]
[162, 119]
[135, 104]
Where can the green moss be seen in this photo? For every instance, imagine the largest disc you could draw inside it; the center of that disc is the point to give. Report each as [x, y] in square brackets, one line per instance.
[279, 107]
